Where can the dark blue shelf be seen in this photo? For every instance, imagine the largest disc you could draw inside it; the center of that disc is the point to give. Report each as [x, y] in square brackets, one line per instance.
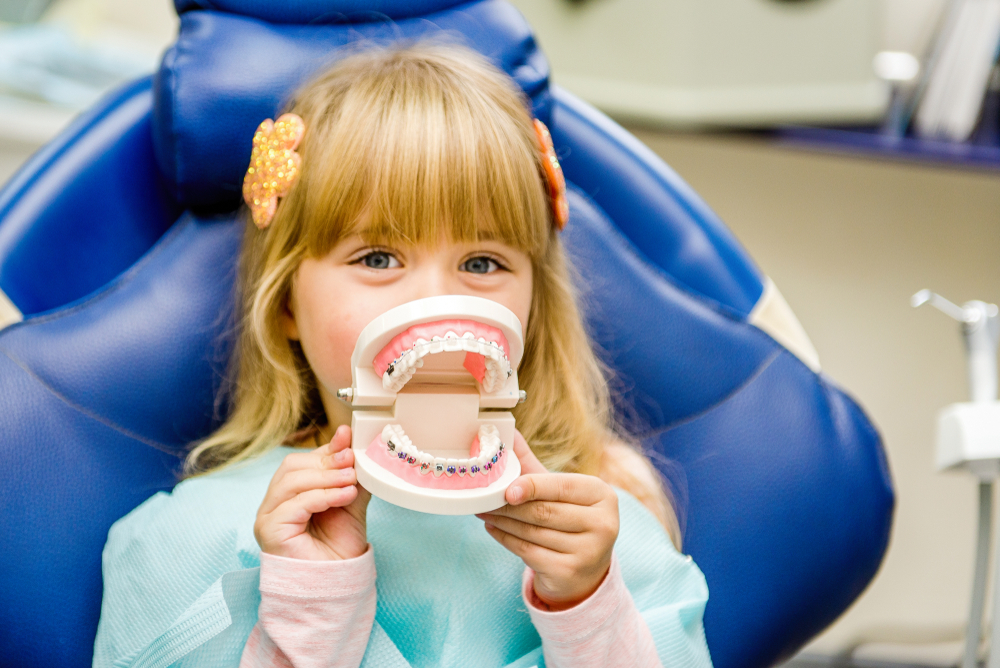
[871, 142]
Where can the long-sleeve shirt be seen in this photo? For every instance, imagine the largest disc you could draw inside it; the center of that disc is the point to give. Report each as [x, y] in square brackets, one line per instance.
[184, 581]
[319, 614]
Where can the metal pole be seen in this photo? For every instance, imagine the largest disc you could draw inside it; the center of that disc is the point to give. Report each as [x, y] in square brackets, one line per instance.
[974, 631]
[994, 660]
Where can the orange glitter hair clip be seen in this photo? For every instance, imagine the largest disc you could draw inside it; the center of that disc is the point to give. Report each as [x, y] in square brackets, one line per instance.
[553, 176]
[274, 166]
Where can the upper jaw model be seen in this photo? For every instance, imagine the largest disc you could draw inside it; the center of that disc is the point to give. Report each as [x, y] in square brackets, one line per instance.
[428, 378]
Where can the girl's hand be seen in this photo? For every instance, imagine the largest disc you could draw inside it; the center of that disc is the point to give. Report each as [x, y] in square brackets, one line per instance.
[314, 509]
[563, 525]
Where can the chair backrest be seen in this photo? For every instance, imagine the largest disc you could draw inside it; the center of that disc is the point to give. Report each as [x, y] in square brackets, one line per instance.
[72, 218]
[779, 476]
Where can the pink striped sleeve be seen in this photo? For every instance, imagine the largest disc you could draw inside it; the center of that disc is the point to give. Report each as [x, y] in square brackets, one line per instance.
[604, 631]
[313, 614]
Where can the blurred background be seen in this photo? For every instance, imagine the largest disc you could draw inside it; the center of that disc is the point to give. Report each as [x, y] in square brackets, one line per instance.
[851, 145]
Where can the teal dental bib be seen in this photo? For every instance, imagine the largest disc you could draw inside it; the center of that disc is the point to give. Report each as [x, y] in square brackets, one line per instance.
[181, 573]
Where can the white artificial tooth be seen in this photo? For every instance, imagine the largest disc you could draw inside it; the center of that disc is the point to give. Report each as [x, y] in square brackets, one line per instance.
[387, 433]
[438, 467]
[435, 338]
[450, 335]
[450, 467]
[468, 335]
[453, 345]
[469, 346]
[437, 346]
[481, 340]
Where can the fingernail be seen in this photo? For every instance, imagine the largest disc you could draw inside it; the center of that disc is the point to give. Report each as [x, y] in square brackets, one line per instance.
[489, 526]
[515, 494]
[341, 456]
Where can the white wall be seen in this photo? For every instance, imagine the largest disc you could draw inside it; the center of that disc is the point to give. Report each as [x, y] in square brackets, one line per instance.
[909, 24]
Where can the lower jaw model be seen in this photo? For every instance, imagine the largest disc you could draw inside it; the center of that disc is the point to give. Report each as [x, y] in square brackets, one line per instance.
[393, 451]
[438, 373]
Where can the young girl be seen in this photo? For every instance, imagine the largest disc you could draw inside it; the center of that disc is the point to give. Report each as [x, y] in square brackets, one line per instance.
[419, 173]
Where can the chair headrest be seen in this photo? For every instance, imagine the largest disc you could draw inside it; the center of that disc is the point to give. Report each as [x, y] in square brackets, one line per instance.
[321, 11]
[227, 73]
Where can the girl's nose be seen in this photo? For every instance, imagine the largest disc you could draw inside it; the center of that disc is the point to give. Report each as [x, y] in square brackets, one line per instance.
[435, 282]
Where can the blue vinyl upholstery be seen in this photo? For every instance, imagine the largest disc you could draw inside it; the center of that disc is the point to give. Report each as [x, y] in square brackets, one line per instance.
[779, 477]
[72, 218]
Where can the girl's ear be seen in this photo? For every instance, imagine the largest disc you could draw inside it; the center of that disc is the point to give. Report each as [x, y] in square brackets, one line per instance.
[288, 324]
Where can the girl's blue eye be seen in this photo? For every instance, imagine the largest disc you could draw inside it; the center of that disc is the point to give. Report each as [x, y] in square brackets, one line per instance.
[479, 265]
[380, 260]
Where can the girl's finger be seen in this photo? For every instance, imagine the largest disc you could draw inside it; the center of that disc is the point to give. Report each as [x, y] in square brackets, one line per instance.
[575, 488]
[557, 541]
[325, 456]
[529, 462]
[298, 511]
[297, 482]
[531, 554]
[565, 517]
[341, 442]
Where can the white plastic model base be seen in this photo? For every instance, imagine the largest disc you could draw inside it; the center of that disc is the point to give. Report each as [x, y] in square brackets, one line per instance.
[968, 436]
[431, 375]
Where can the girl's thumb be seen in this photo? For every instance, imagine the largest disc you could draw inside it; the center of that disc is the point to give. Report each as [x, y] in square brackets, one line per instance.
[529, 462]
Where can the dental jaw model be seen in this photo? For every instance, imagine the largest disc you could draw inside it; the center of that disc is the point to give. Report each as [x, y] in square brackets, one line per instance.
[430, 381]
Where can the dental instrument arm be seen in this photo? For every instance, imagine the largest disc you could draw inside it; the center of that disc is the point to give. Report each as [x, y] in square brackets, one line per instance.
[981, 332]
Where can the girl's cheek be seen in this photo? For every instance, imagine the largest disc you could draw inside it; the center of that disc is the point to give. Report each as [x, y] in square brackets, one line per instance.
[340, 347]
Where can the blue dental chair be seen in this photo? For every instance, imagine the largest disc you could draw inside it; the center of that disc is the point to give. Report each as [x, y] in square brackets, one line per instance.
[118, 240]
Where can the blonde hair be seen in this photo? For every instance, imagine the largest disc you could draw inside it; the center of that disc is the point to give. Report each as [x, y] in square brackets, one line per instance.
[405, 145]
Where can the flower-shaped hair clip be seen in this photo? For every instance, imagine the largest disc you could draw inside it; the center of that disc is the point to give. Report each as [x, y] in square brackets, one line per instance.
[274, 166]
[553, 175]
